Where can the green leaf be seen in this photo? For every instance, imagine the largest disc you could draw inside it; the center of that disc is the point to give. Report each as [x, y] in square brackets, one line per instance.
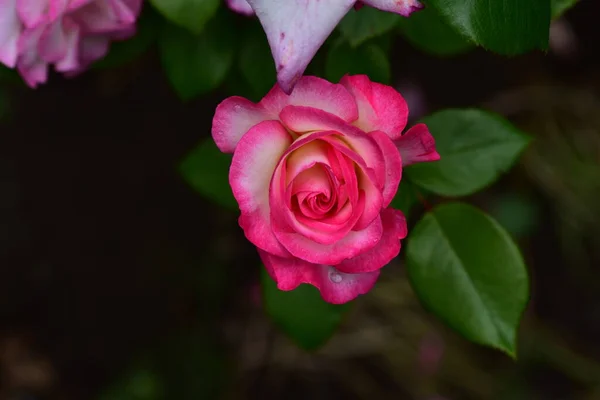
[189, 14]
[206, 170]
[406, 197]
[141, 383]
[467, 270]
[256, 63]
[359, 26]
[560, 6]
[301, 313]
[368, 58]
[475, 148]
[504, 26]
[197, 64]
[148, 26]
[427, 31]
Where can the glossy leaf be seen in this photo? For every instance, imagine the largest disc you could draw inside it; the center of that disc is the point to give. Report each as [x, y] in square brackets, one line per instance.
[197, 64]
[368, 58]
[427, 31]
[206, 170]
[189, 14]
[467, 270]
[475, 148]
[359, 26]
[504, 26]
[301, 313]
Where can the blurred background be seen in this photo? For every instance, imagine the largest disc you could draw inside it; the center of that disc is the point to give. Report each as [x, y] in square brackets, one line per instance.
[119, 282]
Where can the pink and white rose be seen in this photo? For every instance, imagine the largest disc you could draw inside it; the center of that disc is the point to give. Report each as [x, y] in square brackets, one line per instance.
[314, 173]
[68, 34]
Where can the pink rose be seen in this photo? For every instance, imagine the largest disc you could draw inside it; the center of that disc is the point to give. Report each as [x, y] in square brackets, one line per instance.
[69, 34]
[314, 173]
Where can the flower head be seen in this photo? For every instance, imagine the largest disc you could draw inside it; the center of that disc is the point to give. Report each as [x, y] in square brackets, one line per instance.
[68, 34]
[314, 173]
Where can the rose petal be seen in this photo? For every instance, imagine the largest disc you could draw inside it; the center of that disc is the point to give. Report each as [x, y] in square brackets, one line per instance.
[295, 30]
[351, 245]
[393, 166]
[233, 118]
[402, 7]
[33, 69]
[10, 29]
[307, 119]
[240, 6]
[394, 229]
[336, 287]
[252, 166]
[380, 107]
[318, 93]
[417, 145]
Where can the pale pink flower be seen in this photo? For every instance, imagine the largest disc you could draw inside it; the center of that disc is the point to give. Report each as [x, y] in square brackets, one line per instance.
[314, 173]
[68, 34]
[296, 29]
[240, 6]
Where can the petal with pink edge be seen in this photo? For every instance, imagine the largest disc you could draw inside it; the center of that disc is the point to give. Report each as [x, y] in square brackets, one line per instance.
[240, 6]
[380, 107]
[402, 7]
[233, 118]
[33, 69]
[393, 166]
[252, 167]
[295, 30]
[394, 229]
[351, 245]
[311, 91]
[335, 286]
[10, 29]
[417, 145]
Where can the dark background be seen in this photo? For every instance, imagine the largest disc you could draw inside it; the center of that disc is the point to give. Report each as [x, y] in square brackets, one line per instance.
[118, 281]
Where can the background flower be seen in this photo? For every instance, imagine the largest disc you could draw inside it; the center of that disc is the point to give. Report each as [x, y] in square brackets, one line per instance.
[68, 35]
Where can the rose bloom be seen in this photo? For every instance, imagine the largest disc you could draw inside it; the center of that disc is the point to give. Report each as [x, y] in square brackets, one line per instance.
[314, 173]
[69, 34]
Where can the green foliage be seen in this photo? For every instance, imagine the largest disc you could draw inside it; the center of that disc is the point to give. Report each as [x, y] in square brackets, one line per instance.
[560, 6]
[367, 23]
[427, 31]
[466, 269]
[206, 170]
[256, 64]
[503, 26]
[189, 14]
[406, 198]
[301, 313]
[197, 64]
[367, 58]
[475, 148]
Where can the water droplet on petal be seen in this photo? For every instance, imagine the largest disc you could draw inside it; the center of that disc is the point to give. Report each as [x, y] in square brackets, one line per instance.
[335, 276]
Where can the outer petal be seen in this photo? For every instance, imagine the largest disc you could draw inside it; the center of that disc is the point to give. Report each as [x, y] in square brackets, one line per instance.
[10, 29]
[417, 145]
[394, 229]
[30, 66]
[295, 30]
[336, 287]
[252, 167]
[240, 6]
[233, 118]
[380, 107]
[311, 91]
[393, 166]
[402, 7]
